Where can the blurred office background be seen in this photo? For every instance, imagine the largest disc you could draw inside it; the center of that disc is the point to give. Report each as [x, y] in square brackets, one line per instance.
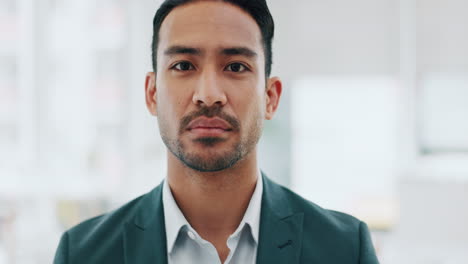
[373, 120]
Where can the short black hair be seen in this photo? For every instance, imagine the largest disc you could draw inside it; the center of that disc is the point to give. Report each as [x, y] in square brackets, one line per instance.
[258, 9]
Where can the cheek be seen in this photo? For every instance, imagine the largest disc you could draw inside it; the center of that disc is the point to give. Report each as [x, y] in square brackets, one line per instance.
[252, 109]
[169, 110]
[249, 89]
[172, 96]
[258, 97]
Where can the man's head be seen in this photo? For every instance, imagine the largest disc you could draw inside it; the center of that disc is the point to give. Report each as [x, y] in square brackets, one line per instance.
[257, 9]
[209, 89]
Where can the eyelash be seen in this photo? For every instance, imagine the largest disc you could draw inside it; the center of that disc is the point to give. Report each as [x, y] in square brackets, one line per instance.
[174, 67]
[241, 64]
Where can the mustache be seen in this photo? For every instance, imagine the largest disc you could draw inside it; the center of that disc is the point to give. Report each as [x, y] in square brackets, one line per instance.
[213, 111]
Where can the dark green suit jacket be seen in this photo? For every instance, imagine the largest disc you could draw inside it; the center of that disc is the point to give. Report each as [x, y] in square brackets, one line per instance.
[292, 230]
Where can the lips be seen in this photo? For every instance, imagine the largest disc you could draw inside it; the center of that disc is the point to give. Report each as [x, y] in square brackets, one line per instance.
[213, 124]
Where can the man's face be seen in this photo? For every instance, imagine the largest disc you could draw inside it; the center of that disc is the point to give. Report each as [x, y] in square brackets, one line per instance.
[209, 92]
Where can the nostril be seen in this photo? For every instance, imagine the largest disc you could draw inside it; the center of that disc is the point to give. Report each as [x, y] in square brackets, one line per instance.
[208, 102]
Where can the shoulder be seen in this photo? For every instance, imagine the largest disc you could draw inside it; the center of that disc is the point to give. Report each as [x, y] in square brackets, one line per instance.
[100, 239]
[325, 218]
[335, 235]
[107, 223]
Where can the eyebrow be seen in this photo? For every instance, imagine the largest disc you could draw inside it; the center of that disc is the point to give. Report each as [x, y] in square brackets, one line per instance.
[239, 51]
[243, 51]
[174, 50]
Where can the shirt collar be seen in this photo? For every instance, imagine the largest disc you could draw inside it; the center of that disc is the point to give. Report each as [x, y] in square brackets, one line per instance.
[173, 217]
[175, 220]
[252, 214]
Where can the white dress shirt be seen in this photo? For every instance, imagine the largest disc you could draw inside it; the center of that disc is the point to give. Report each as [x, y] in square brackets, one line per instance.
[185, 245]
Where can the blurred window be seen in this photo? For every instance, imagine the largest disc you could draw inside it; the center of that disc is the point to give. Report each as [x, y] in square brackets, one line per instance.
[443, 102]
[344, 144]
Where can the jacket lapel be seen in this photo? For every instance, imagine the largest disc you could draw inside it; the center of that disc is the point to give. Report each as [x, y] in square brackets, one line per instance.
[280, 238]
[280, 228]
[145, 235]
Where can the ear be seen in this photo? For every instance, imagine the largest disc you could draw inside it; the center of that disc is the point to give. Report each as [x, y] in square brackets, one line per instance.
[273, 95]
[150, 92]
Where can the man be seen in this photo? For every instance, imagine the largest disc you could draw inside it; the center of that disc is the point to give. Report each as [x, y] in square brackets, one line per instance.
[210, 91]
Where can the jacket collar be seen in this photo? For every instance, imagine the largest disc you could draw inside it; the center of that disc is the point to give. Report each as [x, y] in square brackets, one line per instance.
[280, 227]
[280, 238]
[145, 236]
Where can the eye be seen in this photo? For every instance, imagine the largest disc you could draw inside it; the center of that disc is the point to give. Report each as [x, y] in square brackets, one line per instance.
[236, 67]
[183, 66]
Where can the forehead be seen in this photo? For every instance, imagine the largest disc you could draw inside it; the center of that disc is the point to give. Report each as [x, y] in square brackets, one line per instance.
[209, 24]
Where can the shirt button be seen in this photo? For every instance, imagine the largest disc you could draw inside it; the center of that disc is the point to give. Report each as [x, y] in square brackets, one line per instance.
[191, 235]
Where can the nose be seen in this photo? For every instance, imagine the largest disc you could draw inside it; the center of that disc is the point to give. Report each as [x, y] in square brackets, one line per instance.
[209, 90]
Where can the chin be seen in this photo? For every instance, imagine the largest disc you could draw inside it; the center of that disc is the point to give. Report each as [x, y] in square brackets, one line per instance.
[211, 160]
[209, 142]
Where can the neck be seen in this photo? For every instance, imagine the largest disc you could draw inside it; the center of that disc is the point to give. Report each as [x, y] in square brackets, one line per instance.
[213, 202]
